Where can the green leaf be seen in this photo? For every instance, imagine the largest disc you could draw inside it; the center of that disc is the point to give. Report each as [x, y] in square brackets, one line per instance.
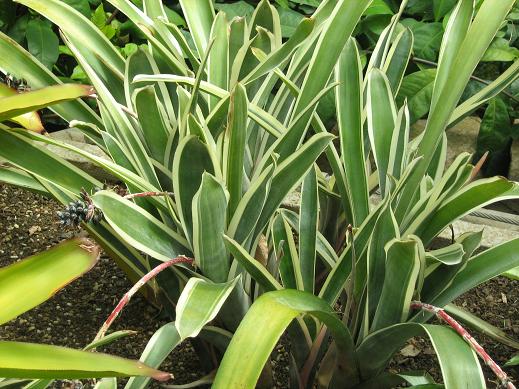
[378, 7]
[397, 59]
[403, 264]
[218, 58]
[494, 137]
[385, 230]
[474, 195]
[153, 121]
[30, 120]
[417, 88]
[41, 361]
[110, 338]
[513, 362]
[427, 38]
[191, 160]
[381, 114]
[234, 145]
[42, 42]
[252, 265]
[249, 209]
[286, 252]
[289, 173]
[209, 215]
[290, 20]
[139, 228]
[308, 221]
[442, 7]
[512, 274]
[82, 6]
[349, 101]
[34, 100]
[236, 9]
[500, 50]
[454, 354]
[199, 15]
[277, 57]
[481, 268]
[19, 178]
[336, 32]
[94, 45]
[32, 158]
[106, 383]
[160, 345]
[199, 303]
[28, 283]
[478, 37]
[273, 312]
[481, 326]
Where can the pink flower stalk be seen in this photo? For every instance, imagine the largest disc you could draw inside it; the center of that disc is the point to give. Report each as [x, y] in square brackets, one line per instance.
[442, 315]
[128, 295]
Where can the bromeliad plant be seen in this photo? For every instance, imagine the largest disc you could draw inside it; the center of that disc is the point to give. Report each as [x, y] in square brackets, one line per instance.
[187, 132]
[209, 138]
[382, 264]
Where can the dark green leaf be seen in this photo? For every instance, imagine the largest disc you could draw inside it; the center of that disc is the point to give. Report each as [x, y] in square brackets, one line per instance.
[42, 42]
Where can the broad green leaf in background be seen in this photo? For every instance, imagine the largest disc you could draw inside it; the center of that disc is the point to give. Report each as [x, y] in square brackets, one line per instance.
[500, 50]
[379, 7]
[82, 6]
[417, 88]
[442, 7]
[495, 137]
[42, 42]
[236, 9]
[290, 19]
[427, 38]
[28, 283]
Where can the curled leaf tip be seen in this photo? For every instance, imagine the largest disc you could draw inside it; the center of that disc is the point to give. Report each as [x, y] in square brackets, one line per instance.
[88, 245]
[162, 376]
[89, 90]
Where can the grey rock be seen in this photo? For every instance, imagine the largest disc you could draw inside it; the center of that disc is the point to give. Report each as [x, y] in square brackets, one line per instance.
[74, 138]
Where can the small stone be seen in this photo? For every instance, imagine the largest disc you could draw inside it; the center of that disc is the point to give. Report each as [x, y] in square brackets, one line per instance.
[34, 229]
[410, 351]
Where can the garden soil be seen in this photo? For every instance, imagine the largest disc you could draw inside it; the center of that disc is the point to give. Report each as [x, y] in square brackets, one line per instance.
[29, 224]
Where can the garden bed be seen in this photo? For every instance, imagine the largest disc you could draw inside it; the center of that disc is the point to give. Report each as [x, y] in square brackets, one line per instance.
[28, 224]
